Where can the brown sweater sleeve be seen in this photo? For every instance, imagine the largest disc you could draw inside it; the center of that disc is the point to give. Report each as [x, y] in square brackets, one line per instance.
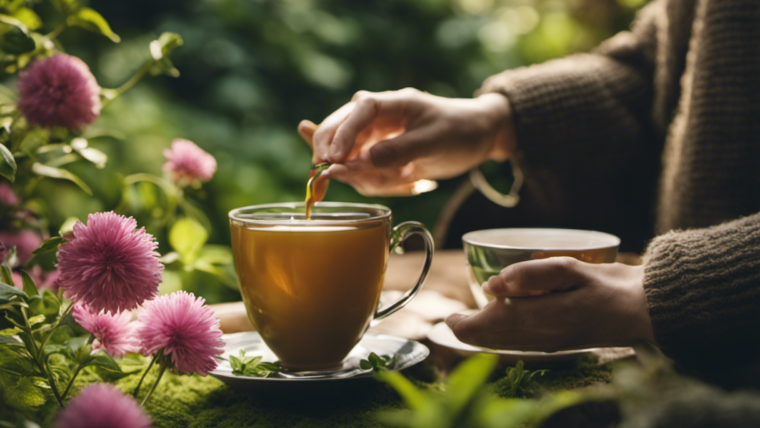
[703, 291]
[585, 107]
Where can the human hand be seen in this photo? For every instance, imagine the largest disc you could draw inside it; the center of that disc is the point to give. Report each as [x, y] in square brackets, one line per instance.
[560, 303]
[382, 143]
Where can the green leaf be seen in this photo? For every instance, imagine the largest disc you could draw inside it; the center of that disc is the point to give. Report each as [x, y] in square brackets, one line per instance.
[30, 288]
[105, 361]
[95, 156]
[365, 365]
[50, 244]
[464, 383]
[164, 66]
[91, 20]
[24, 394]
[165, 44]
[8, 340]
[47, 305]
[53, 172]
[36, 319]
[187, 236]
[5, 273]
[8, 292]
[9, 332]
[14, 36]
[68, 226]
[413, 397]
[7, 164]
[28, 17]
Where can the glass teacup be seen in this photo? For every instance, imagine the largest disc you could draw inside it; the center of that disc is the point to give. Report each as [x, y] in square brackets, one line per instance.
[311, 287]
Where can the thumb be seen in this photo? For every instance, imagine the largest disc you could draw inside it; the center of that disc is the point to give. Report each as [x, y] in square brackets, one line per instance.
[399, 151]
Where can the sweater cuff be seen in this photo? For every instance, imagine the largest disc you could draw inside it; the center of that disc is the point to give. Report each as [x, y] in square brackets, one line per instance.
[703, 293]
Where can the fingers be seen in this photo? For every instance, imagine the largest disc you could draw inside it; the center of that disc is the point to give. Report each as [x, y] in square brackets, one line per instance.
[324, 134]
[527, 324]
[536, 277]
[307, 129]
[372, 182]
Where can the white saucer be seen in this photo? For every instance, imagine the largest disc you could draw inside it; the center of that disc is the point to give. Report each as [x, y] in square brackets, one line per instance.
[442, 335]
[408, 353]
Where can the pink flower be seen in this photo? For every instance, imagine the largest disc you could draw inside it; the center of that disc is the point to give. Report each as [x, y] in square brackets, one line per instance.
[25, 242]
[7, 195]
[51, 281]
[101, 405]
[59, 91]
[188, 162]
[114, 333]
[184, 328]
[108, 264]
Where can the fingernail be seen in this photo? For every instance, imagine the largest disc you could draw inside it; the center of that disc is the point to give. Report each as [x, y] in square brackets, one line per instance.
[452, 319]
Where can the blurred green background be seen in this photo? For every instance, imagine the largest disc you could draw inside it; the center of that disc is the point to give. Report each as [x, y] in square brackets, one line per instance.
[252, 69]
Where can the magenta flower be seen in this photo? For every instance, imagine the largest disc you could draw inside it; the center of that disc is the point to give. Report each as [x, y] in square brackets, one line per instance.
[109, 265]
[188, 162]
[7, 195]
[59, 91]
[184, 328]
[25, 242]
[101, 405]
[114, 333]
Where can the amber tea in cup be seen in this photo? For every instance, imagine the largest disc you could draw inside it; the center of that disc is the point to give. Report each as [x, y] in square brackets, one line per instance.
[311, 287]
[489, 251]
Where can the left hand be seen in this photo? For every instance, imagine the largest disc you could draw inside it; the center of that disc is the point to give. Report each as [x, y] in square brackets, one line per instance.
[560, 303]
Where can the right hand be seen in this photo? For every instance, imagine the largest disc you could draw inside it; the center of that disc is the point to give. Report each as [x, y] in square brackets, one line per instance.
[382, 143]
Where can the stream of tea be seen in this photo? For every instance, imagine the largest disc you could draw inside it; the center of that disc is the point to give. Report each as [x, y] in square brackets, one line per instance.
[315, 188]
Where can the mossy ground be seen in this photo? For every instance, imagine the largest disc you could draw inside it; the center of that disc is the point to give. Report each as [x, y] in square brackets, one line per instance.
[195, 401]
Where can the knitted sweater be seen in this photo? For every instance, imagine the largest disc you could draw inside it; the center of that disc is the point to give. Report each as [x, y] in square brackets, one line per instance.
[683, 86]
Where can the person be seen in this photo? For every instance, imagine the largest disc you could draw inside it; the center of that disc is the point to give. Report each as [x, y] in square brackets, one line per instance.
[681, 88]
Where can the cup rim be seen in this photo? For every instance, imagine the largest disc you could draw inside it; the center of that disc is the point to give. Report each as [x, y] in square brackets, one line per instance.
[468, 238]
[234, 214]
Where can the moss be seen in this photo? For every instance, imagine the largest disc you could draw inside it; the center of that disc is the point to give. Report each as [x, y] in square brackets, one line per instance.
[195, 401]
[585, 372]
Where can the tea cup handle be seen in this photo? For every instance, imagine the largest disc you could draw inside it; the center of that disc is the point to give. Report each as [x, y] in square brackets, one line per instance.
[399, 234]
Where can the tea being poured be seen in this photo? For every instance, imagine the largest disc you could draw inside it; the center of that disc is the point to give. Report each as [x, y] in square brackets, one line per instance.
[316, 188]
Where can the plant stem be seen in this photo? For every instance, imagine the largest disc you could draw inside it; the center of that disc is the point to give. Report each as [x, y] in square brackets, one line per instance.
[71, 381]
[153, 360]
[57, 324]
[158, 379]
[51, 381]
[53, 34]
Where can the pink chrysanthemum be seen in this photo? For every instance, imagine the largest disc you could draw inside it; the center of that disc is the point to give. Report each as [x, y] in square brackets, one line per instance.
[188, 162]
[187, 330]
[115, 334]
[7, 195]
[109, 265]
[25, 242]
[59, 91]
[101, 405]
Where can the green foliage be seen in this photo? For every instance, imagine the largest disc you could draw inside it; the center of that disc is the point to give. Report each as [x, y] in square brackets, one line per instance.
[379, 363]
[50, 244]
[520, 379]
[91, 20]
[252, 366]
